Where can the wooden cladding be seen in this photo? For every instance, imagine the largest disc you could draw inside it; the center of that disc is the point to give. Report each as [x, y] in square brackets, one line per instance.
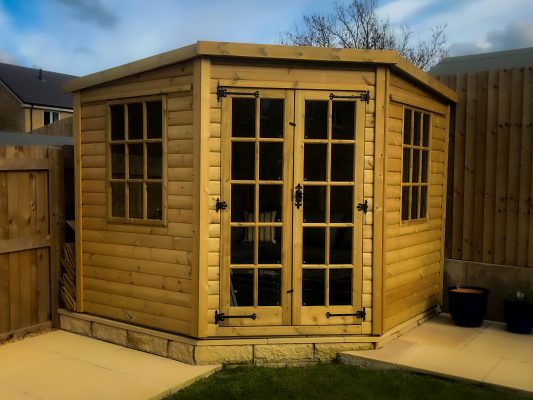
[490, 213]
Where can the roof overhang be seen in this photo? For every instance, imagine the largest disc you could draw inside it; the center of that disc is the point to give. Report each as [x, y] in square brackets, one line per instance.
[264, 51]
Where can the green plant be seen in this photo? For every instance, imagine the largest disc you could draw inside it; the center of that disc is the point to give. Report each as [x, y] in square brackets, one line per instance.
[519, 296]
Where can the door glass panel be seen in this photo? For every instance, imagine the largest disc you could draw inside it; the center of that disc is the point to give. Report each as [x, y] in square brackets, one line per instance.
[271, 121]
[414, 202]
[406, 164]
[242, 202]
[340, 247]
[314, 240]
[270, 203]
[423, 201]
[340, 287]
[313, 287]
[314, 203]
[117, 122]
[269, 282]
[242, 287]
[405, 202]
[243, 160]
[342, 162]
[270, 161]
[425, 155]
[343, 120]
[341, 204]
[154, 120]
[425, 136]
[243, 118]
[135, 121]
[269, 245]
[316, 119]
[315, 159]
[242, 245]
[136, 200]
[416, 164]
[416, 129]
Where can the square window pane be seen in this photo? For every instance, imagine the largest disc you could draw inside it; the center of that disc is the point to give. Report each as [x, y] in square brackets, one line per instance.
[341, 204]
[135, 121]
[340, 245]
[423, 201]
[313, 287]
[315, 159]
[117, 161]
[269, 282]
[314, 246]
[270, 161]
[406, 164]
[118, 196]
[425, 136]
[154, 195]
[117, 122]
[414, 202]
[340, 287]
[342, 162]
[314, 203]
[243, 117]
[242, 203]
[407, 126]
[416, 128]
[136, 161]
[241, 287]
[271, 121]
[154, 119]
[154, 155]
[136, 200]
[270, 203]
[405, 203]
[269, 245]
[242, 245]
[243, 160]
[343, 120]
[316, 119]
[416, 165]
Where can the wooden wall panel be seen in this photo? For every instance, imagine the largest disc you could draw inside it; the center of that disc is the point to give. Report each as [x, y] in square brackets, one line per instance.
[491, 217]
[413, 251]
[138, 273]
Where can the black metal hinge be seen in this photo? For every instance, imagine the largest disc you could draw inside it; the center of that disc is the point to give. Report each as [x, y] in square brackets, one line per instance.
[220, 205]
[223, 92]
[363, 96]
[219, 317]
[363, 207]
[361, 314]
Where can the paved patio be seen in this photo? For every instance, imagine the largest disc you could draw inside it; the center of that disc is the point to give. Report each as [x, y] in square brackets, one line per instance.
[61, 365]
[487, 354]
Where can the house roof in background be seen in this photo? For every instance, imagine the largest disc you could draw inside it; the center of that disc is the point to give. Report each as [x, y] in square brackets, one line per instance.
[33, 139]
[35, 86]
[264, 52]
[484, 62]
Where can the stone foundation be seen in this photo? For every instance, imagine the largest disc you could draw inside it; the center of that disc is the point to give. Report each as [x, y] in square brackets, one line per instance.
[260, 351]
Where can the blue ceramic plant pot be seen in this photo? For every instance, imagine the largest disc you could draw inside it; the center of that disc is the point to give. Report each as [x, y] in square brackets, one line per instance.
[468, 305]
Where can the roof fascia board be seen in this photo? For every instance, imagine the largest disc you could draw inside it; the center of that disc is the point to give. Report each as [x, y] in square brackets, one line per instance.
[46, 108]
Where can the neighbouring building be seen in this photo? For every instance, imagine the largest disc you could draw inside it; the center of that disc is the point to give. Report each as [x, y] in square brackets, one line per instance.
[31, 98]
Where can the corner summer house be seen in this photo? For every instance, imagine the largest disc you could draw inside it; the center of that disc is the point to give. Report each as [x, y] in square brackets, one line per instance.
[240, 199]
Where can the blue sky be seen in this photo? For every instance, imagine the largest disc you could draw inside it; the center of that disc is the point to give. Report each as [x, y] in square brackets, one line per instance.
[83, 36]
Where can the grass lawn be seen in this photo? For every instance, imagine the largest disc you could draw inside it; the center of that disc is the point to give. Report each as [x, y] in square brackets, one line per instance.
[332, 381]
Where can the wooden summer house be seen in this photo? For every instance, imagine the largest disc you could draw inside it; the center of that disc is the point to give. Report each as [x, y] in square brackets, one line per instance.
[230, 191]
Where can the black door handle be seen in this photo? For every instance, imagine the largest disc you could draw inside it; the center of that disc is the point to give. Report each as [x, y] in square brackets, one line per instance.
[298, 195]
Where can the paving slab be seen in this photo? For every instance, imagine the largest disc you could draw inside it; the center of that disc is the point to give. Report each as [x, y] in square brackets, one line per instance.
[487, 354]
[61, 365]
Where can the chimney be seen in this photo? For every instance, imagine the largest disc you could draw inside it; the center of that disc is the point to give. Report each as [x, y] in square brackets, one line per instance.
[40, 74]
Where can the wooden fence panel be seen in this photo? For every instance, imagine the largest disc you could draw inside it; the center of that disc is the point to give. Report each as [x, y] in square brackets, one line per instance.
[31, 226]
[491, 147]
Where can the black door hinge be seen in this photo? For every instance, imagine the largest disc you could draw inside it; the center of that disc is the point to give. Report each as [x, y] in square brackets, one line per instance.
[219, 317]
[361, 314]
[363, 96]
[220, 205]
[223, 92]
[363, 207]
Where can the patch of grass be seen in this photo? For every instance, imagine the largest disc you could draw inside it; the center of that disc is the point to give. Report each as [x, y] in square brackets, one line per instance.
[332, 381]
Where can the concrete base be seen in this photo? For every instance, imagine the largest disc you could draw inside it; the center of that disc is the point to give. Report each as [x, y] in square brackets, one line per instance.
[277, 351]
[501, 280]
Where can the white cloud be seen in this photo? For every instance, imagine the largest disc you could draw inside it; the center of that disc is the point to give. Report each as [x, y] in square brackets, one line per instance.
[398, 11]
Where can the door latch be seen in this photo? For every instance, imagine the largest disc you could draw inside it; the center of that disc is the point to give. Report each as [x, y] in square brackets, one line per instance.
[298, 195]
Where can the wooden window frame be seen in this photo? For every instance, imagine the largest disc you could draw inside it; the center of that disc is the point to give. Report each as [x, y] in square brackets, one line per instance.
[419, 184]
[51, 114]
[163, 181]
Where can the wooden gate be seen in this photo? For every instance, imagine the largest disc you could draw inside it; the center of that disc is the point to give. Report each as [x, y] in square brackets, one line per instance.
[31, 232]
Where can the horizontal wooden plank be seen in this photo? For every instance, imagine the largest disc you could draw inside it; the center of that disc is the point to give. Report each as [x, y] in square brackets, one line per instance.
[24, 243]
[19, 164]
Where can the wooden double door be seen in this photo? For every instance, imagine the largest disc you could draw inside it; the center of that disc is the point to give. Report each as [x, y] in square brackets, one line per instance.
[291, 232]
